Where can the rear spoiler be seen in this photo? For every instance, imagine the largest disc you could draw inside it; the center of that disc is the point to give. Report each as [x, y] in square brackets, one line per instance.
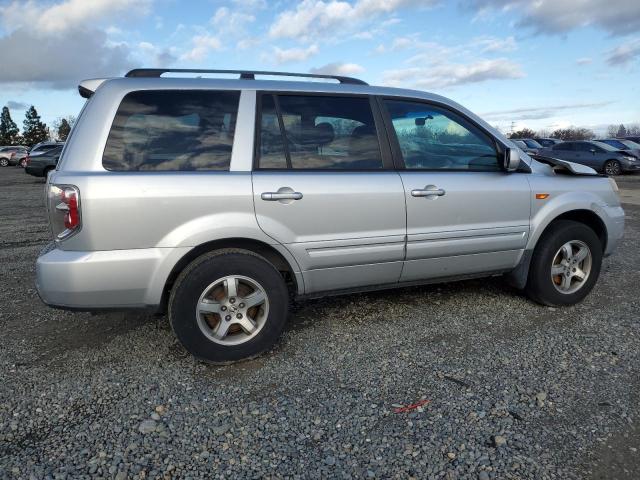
[564, 165]
[88, 87]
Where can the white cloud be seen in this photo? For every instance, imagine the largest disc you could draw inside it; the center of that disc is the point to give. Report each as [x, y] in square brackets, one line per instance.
[87, 53]
[294, 54]
[158, 57]
[618, 17]
[444, 74]
[625, 53]
[338, 68]
[229, 22]
[314, 18]
[35, 32]
[584, 61]
[537, 113]
[202, 46]
[494, 44]
[67, 15]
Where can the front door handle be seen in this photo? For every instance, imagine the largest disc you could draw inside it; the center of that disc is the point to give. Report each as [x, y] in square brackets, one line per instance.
[428, 191]
[275, 196]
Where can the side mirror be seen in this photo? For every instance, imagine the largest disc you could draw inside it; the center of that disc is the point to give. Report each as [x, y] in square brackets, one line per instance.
[511, 160]
[593, 150]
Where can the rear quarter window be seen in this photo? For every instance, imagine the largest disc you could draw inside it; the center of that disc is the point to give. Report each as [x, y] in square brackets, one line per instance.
[168, 130]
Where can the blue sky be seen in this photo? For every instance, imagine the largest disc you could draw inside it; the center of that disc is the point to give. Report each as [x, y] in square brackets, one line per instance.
[543, 64]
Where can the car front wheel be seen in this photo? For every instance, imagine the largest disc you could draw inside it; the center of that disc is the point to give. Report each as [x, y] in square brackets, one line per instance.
[612, 167]
[228, 305]
[4, 162]
[565, 264]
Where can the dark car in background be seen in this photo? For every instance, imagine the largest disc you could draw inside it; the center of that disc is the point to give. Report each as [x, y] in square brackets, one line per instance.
[527, 145]
[623, 144]
[633, 138]
[597, 155]
[547, 142]
[43, 147]
[41, 165]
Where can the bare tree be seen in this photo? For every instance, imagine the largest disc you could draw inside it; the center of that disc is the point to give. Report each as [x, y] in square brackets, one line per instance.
[524, 133]
[573, 133]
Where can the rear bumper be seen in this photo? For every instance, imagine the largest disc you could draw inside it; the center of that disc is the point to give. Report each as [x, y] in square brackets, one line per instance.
[104, 279]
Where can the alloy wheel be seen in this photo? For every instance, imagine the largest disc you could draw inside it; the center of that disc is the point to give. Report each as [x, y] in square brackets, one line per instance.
[571, 267]
[232, 310]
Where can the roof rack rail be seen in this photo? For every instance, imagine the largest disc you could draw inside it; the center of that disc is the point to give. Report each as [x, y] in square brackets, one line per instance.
[244, 74]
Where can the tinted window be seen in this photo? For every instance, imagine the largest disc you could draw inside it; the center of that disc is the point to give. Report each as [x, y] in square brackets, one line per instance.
[563, 146]
[434, 138]
[172, 130]
[587, 147]
[320, 132]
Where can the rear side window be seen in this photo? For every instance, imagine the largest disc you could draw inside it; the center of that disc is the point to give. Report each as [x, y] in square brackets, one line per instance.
[169, 130]
[563, 146]
[318, 132]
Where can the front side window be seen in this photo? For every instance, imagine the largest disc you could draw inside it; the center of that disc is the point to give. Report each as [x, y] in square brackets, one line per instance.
[318, 132]
[433, 138]
[171, 130]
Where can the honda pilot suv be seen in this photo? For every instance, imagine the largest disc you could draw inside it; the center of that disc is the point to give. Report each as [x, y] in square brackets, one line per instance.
[218, 200]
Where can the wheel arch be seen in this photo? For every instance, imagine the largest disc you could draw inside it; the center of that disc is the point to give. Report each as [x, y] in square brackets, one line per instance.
[518, 276]
[287, 267]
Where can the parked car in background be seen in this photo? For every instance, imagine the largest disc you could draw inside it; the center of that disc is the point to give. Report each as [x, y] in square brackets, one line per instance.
[195, 195]
[633, 138]
[597, 155]
[547, 142]
[527, 145]
[41, 165]
[12, 155]
[622, 144]
[42, 147]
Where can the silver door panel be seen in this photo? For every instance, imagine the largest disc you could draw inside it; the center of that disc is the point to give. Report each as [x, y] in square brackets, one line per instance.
[327, 279]
[430, 268]
[445, 244]
[351, 219]
[340, 253]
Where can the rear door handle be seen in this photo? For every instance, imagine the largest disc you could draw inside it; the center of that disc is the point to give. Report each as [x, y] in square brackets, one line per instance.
[275, 196]
[428, 192]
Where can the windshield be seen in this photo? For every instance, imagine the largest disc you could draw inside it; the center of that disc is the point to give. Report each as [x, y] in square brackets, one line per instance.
[532, 144]
[607, 147]
[630, 144]
[615, 143]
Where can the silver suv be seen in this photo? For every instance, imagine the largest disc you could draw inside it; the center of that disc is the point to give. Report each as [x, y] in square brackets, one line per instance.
[220, 199]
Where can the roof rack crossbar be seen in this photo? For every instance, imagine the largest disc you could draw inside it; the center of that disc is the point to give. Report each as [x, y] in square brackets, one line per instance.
[244, 74]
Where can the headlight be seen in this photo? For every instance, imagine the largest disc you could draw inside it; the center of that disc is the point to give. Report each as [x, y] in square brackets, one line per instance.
[614, 185]
[630, 159]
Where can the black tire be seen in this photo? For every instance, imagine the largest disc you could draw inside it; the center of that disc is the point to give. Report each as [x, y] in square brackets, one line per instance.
[612, 167]
[4, 162]
[45, 172]
[540, 286]
[193, 281]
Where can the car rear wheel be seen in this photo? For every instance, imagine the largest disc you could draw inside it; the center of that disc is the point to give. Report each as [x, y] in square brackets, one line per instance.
[565, 264]
[228, 305]
[4, 162]
[612, 167]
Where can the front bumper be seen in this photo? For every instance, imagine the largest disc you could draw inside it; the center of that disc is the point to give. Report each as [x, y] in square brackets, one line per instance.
[104, 279]
[614, 223]
[630, 166]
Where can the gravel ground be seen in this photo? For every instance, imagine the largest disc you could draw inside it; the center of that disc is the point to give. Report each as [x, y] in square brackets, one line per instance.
[509, 389]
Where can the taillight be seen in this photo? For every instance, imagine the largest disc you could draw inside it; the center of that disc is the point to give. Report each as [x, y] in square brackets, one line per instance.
[64, 210]
[27, 160]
